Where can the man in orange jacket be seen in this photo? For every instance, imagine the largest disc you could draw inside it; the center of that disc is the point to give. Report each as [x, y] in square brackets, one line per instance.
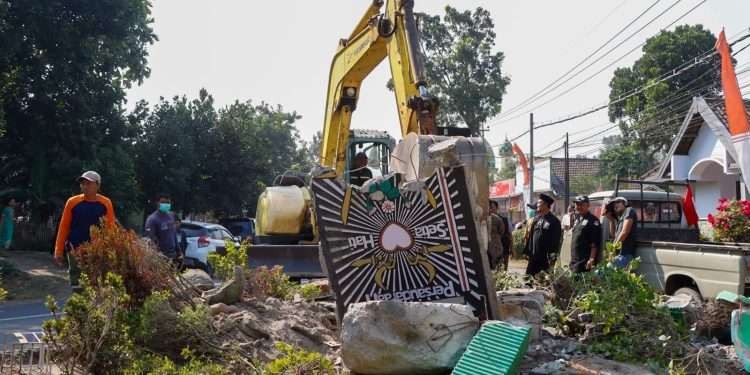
[80, 214]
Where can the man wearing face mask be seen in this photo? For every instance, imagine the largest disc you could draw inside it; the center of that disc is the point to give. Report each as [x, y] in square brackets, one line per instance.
[161, 228]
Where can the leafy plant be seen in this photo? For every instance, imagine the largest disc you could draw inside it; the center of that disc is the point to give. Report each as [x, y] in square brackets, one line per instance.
[152, 364]
[93, 332]
[623, 318]
[271, 282]
[295, 361]
[508, 280]
[164, 329]
[223, 265]
[519, 242]
[732, 221]
[611, 250]
[309, 291]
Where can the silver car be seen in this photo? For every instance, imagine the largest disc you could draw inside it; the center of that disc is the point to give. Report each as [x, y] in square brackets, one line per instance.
[200, 239]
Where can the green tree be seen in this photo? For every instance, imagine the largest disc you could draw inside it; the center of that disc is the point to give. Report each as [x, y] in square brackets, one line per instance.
[255, 144]
[462, 69]
[622, 159]
[509, 163]
[64, 68]
[312, 151]
[173, 150]
[212, 160]
[650, 120]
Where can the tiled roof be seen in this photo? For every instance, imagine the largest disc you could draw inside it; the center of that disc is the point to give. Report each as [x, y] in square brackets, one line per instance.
[717, 106]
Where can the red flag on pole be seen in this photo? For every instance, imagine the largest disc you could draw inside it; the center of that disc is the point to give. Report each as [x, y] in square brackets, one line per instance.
[523, 162]
[688, 205]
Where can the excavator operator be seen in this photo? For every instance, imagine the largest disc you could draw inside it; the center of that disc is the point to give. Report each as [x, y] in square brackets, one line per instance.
[360, 173]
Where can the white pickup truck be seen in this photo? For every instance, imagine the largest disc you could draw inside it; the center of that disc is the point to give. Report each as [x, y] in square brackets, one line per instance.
[673, 258]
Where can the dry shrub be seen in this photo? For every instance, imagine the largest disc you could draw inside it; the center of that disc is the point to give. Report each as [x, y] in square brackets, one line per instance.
[143, 269]
[265, 282]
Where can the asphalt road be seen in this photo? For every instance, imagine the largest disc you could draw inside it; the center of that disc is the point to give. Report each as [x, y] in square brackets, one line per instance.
[23, 318]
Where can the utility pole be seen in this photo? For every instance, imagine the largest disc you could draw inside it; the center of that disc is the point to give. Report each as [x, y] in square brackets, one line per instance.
[531, 157]
[567, 174]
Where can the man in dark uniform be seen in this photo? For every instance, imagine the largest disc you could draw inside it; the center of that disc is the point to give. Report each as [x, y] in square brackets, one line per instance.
[587, 234]
[543, 244]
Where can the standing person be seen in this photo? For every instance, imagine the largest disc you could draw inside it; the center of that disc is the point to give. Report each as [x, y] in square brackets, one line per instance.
[587, 235]
[81, 212]
[161, 228]
[6, 223]
[623, 221]
[507, 236]
[569, 217]
[543, 243]
[495, 250]
[360, 173]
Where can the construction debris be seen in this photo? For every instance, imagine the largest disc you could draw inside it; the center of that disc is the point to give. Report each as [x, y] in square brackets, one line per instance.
[198, 278]
[259, 324]
[391, 337]
[230, 292]
[523, 307]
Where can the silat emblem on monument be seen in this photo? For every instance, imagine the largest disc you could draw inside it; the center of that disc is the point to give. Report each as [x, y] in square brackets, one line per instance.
[415, 244]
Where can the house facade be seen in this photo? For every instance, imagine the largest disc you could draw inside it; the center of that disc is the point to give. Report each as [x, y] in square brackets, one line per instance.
[703, 154]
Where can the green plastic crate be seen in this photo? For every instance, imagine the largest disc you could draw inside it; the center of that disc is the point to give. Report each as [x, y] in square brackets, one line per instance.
[496, 350]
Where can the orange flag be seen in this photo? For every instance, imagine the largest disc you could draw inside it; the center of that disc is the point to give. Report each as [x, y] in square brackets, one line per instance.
[522, 161]
[739, 127]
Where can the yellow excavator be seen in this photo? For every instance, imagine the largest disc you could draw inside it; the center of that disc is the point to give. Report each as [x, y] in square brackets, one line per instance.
[284, 226]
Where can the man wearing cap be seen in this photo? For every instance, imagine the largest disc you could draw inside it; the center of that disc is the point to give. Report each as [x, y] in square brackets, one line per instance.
[623, 223]
[587, 233]
[81, 212]
[543, 243]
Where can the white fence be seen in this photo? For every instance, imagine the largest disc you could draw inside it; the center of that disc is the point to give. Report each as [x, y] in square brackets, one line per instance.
[24, 353]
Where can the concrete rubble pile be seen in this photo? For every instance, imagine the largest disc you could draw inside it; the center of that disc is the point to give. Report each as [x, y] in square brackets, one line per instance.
[257, 324]
[390, 337]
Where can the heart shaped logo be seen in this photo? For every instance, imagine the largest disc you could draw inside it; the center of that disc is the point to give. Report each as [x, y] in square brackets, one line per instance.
[394, 237]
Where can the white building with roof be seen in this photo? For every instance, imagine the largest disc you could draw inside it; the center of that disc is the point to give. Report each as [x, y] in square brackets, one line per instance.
[703, 153]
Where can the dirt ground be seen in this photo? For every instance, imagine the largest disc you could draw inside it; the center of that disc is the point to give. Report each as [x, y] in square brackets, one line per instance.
[35, 277]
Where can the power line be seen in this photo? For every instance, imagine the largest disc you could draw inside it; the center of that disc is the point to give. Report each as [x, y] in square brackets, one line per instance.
[674, 74]
[543, 92]
[668, 75]
[680, 110]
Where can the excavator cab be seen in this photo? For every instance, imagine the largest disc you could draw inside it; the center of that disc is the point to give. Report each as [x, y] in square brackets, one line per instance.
[376, 144]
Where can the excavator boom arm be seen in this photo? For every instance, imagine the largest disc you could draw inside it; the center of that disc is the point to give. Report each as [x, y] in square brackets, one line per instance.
[391, 34]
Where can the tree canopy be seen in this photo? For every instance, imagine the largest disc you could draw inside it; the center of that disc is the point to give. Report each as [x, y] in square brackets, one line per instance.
[463, 70]
[213, 160]
[649, 120]
[64, 68]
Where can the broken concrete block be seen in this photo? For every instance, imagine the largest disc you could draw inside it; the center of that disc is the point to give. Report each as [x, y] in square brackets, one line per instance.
[230, 292]
[392, 337]
[199, 279]
[523, 307]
